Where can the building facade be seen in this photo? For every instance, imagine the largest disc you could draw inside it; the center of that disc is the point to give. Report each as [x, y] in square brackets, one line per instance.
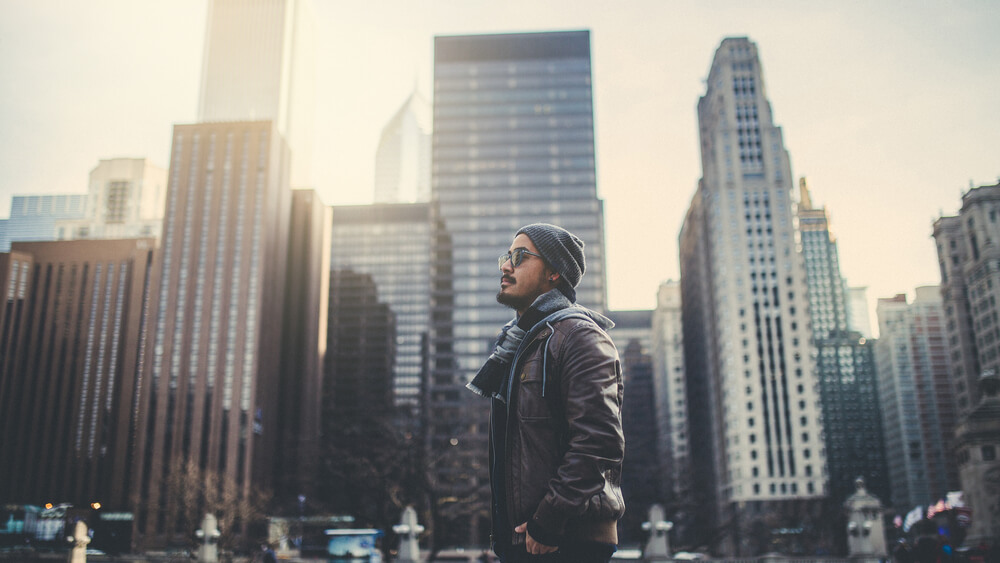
[392, 245]
[215, 336]
[403, 158]
[968, 248]
[71, 349]
[915, 393]
[747, 341]
[34, 217]
[845, 365]
[125, 198]
[259, 64]
[670, 398]
[303, 348]
[513, 144]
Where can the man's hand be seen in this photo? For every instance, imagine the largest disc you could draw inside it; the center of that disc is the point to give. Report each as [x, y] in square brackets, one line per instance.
[531, 545]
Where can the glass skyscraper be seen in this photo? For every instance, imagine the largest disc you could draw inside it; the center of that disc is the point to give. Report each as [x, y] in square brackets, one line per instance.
[513, 144]
[34, 217]
[845, 365]
[392, 244]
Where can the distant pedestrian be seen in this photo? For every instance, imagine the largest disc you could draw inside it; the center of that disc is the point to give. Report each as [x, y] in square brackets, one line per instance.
[268, 554]
[556, 440]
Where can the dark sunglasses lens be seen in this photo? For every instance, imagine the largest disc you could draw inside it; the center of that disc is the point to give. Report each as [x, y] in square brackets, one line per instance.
[516, 257]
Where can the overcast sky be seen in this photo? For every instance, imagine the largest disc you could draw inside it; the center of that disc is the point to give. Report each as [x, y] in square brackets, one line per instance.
[890, 108]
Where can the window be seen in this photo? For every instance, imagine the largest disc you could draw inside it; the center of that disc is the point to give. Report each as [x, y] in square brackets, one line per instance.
[989, 453]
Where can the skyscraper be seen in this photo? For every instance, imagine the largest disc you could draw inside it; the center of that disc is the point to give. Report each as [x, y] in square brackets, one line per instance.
[642, 474]
[215, 336]
[970, 285]
[918, 411]
[403, 159]
[125, 198]
[513, 145]
[754, 393]
[391, 244]
[71, 348]
[34, 217]
[670, 399]
[259, 65]
[845, 365]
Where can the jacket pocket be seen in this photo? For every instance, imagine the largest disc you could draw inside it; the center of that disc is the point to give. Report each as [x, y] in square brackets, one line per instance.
[531, 405]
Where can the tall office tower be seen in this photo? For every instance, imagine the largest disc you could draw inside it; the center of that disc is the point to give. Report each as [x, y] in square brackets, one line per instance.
[968, 251]
[858, 315]
[670, 398]
[392, 244]
[642, 476]
[33, 217]
[214, 357]
[360, 349]
[125, 199]
[303, 347]
[403, 158]
[845, 365]
[754, 392]
[513, 145]
[71, 345]
[259, 65]
[918, 413]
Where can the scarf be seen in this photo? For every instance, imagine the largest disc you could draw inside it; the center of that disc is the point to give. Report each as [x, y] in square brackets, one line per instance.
[490, 379]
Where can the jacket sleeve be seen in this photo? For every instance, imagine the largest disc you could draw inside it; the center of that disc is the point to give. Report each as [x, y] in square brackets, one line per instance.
[587, 481]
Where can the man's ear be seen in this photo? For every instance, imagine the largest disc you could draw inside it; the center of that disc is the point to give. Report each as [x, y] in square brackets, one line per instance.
[553, 277]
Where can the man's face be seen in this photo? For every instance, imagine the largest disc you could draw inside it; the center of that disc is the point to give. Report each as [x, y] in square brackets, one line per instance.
[520, 286]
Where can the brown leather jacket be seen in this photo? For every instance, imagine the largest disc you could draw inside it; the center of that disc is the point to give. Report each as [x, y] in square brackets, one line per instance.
[564, 450]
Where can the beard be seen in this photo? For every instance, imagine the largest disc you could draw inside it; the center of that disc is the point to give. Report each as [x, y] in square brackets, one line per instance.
[516, 302]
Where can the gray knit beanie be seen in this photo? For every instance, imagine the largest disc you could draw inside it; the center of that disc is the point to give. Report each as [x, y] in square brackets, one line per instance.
[561, 249]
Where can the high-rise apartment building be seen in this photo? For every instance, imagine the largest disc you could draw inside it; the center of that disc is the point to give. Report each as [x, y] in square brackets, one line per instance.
[670, 398]
[845, 365]
[915, 393]
[513, 144]
[259, 66]
[403, 158]
[71, 349]
[968, 248]
[34, 217]
[755, 405]
[215, 336]
[392, 245]
[125, 198]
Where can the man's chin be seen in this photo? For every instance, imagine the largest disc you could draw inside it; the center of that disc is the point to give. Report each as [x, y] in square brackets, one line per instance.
[508, 300]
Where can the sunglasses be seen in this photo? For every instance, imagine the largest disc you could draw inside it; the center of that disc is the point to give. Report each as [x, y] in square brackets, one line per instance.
[515, 256]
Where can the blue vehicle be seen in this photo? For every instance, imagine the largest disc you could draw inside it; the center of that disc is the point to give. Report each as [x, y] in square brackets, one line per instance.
[355, 545]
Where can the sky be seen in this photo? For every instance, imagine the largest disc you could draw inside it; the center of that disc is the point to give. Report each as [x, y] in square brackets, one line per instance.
[890, 108]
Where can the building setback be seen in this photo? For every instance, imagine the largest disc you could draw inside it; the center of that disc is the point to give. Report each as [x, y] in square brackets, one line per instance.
[968, 248]
[754, 395]
[513, 144]
[845, 365]
[918, 411]
[71, 350]
[214, 354]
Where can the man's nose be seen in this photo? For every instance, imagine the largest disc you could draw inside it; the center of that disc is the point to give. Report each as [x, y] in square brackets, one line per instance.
[508, 266]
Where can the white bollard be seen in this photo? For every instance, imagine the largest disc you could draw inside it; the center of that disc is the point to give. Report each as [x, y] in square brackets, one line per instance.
[408, 530]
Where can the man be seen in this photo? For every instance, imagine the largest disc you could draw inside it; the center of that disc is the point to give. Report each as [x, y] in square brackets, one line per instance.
[556, 441]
